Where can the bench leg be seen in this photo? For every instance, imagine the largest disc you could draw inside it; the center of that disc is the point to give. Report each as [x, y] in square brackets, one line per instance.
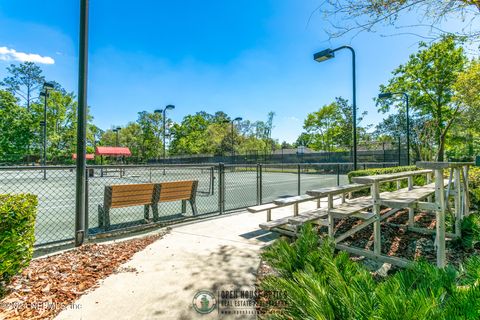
[411, 216]
[101, 215]
[318, 203]
[184, 206]
[155, 211]
[146, 212]
[295, 209]
[377, 239]
[194, 207]
[269, 215]
[106, 218]
[331, 222]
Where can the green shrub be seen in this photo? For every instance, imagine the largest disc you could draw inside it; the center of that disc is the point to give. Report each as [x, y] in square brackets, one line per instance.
[325, 285]
[17, 225]
[470, 231]
[474, 187]
[387, 186]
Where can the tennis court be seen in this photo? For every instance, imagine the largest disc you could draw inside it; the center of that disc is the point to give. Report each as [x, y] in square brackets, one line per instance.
[56, 195]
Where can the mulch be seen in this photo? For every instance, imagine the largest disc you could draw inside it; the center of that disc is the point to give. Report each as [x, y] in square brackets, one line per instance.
[49, 285]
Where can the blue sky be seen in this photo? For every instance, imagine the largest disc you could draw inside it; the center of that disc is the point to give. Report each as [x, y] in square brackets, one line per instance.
[244, 57]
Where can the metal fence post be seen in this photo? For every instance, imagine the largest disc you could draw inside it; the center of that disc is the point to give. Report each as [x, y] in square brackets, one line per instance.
[221, 188]
[212, 179]
[298, 178]
[259, 184]
[86, 200]
[338, 174]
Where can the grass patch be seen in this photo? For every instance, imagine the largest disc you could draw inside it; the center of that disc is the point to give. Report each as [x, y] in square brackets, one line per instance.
[319, 283]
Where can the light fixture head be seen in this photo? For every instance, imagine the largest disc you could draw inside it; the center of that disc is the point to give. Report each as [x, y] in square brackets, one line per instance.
[385, 95]
[170, 107]
[48, 86]
[238, 119]
[118, 128]
[158, 111]
[324, 55]
[43, 94]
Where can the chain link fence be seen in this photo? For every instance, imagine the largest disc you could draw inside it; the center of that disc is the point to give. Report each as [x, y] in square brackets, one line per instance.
[221, 188]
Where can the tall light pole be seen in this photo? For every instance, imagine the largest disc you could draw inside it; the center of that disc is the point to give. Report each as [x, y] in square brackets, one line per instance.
[117, 139]
[233, 137]
[169, 107]
[388, 95]
[329, 54]
[80, 195]
[46, 87]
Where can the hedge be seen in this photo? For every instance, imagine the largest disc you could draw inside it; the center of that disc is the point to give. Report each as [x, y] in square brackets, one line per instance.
[388, 186]
[474, 187]
[17, 226]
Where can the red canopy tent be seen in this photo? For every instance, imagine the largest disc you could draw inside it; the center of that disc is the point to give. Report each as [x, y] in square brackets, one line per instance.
[113, 151]
[88, 156]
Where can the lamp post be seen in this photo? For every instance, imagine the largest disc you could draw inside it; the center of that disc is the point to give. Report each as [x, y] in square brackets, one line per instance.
[169, 107]
[233, 140]
[46, 87]
[387, 95]
[329, 54]
[117, 130]
[80, 183]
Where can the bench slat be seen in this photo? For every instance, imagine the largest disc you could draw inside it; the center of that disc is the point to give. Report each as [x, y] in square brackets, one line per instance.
[262, 207]
[274, 223]
[389, 176]
[406, 198]
[322, 192]
[307, 217]
[123, 195]
[292, 200]
[353, 206]
[129, 203]
[132, 187]
[168, 199]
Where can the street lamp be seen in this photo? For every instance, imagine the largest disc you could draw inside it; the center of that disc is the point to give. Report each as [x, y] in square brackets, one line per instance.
[329, 54]
[117, 130]
[233, 140]
[46, 87]
[388, 95]
[168, 107]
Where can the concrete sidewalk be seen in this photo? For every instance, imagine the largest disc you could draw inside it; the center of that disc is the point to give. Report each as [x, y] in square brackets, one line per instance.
[215, 255]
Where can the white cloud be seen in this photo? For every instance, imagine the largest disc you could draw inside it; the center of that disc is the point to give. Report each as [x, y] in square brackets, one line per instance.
[7, 54]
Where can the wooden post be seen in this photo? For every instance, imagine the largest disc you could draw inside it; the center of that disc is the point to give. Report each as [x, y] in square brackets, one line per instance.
[411, 213]
[295, 209]
[429, 180]
[466, 194]
[331, 222]
[440, 234]
[377, 239]
[458, 200]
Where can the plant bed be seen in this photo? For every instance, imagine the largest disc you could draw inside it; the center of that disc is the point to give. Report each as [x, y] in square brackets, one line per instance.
[322, 283]
[49, 285]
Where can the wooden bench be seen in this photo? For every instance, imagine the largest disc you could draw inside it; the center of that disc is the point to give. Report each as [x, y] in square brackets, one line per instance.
[178, 191]
[316, 215]
[281, 202]
[147, 195]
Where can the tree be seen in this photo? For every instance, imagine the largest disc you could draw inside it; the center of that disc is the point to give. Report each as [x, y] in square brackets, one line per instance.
[355, 16]
[429, 77]
[23, 81]
[15, 129]
[467, 128]
[151, 126]
[330, 128]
